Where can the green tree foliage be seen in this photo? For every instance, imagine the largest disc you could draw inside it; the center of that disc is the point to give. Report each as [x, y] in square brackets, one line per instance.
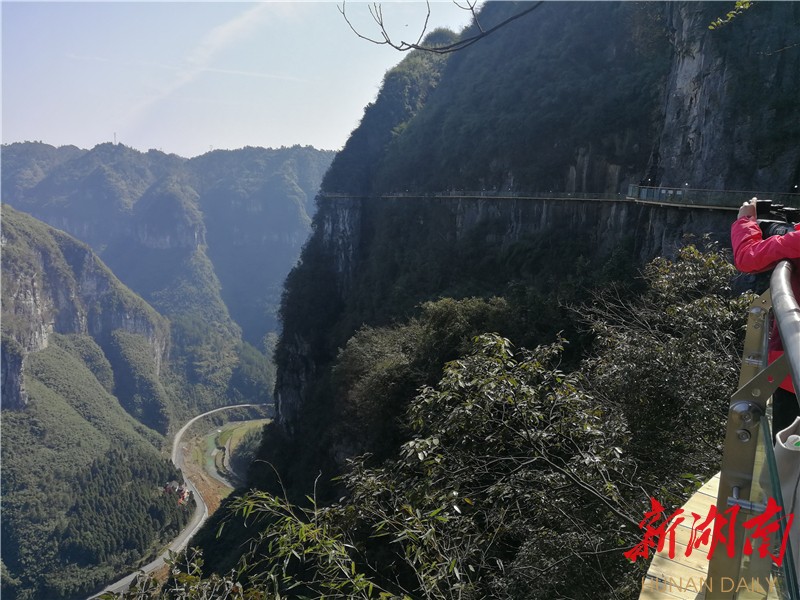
[359, 404]
[379, 369]
[92, 356]
[740, 6]
[512, 477]
[29, 163]
[669, 359]
[121, 510]
[511, 480]
[208, 349]
[253, 377]
[82, 480]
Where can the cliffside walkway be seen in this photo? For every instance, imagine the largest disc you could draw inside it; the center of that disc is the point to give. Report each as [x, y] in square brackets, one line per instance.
[724, 543]
[737, 539]
[685, 197]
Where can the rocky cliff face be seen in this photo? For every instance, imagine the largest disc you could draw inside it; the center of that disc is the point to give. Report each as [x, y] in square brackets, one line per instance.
[730, 105]
[350, 229]
[292, 387]
[727, 119]
[103, 305]
[167, 218]
[14, 395]
[54, 284]
[339, 230]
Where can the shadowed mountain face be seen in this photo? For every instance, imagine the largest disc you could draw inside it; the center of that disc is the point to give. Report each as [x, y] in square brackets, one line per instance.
[578, 98]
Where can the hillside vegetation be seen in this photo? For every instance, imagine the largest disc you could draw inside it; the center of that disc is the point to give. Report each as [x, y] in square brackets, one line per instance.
[513, 475]
[93, 375]
[566, 99]
[83, 418]
[210, 238]
[390, 414]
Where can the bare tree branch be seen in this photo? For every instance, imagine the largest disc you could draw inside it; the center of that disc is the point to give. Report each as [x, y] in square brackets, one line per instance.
[471, 5]
[403, 46]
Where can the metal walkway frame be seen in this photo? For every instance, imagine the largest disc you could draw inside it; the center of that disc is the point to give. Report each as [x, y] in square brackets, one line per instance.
[748, 478]
[748, 442]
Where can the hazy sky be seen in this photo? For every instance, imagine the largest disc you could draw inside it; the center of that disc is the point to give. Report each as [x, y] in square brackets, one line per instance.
[187, 77]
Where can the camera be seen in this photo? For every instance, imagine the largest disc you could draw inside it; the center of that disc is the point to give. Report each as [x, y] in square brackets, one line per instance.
[775, 219]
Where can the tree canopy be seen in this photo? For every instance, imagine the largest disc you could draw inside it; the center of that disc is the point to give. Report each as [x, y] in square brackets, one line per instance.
[515, 478]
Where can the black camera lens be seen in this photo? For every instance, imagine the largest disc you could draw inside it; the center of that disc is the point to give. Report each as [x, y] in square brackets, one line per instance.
[771, 228]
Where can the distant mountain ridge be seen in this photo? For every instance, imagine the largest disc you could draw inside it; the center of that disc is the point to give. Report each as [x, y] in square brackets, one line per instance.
[132, 285]
[239, 217]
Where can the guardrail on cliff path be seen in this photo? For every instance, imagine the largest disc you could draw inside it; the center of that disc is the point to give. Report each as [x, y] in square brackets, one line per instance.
[679, 197]
[754, 474]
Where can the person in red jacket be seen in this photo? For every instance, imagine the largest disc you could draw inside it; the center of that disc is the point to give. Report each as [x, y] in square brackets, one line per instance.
[752, 253]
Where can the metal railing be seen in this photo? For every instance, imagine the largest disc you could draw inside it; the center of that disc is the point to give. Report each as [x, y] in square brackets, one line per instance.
[787, 314]
[680, 197]
[706, 198]
[749, 477]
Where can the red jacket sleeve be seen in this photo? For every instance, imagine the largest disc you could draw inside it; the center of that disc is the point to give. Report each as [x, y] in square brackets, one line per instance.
[752, 254]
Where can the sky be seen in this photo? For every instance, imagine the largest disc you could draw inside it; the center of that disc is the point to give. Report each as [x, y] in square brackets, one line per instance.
[189, 77]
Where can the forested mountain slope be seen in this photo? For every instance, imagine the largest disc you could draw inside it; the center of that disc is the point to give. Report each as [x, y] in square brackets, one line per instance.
[592, 96]
[203, 238]
[90, 366]
[86, 391]
[575, 98]
[566, 99]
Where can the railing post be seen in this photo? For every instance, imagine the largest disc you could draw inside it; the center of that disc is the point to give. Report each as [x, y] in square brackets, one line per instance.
[747, 407]
[744, 433]
[787, 316]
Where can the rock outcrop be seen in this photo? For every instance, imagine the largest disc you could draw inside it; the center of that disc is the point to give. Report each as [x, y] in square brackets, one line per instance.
[726, 121]
[730, 103]
[54, 284]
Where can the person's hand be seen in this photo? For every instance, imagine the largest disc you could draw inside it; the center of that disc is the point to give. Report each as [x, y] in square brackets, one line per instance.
[748, 209]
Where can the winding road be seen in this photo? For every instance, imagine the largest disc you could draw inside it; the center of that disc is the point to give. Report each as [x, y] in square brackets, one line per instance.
[198, 518]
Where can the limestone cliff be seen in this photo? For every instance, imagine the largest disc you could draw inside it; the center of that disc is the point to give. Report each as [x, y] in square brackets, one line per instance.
[351, 231]
[730, 104]
[592, 90]
[55, 284]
